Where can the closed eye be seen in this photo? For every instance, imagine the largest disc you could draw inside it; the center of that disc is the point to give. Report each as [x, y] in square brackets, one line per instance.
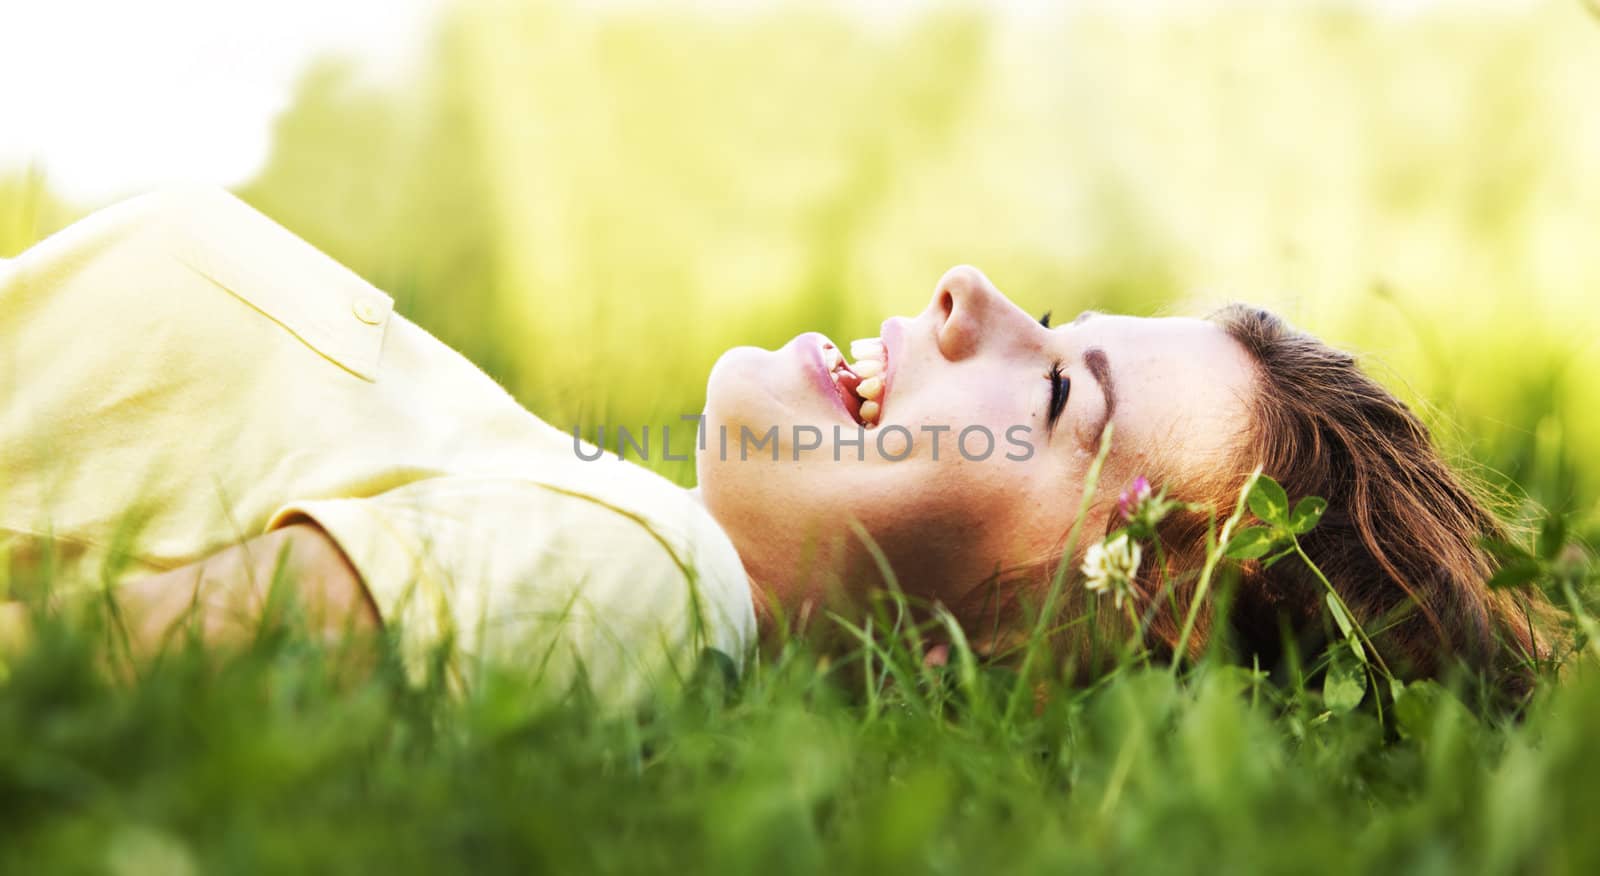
[1060, 388]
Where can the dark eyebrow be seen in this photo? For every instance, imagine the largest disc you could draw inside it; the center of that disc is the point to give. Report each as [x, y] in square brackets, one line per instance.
[1085, 317]
[1099, 367]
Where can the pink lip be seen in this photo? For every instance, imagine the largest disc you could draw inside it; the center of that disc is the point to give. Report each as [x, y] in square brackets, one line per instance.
[892, 333]
[821, 377]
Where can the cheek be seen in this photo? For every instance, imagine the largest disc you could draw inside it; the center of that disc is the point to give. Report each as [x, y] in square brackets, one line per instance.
[965, 404]
[955, 521]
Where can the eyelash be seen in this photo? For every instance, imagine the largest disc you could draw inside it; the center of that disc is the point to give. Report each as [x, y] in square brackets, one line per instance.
[1060, 388]
[1060, 385]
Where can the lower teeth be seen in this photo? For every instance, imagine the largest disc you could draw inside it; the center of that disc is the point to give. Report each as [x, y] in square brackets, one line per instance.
[867, 372]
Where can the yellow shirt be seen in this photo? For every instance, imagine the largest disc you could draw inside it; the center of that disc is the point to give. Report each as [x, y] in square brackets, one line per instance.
[182, 370]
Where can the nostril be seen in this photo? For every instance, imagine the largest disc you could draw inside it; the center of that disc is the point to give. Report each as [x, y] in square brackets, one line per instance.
[947, 303]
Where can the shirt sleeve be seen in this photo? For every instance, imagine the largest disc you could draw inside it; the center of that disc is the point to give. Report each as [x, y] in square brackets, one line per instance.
[535, 584]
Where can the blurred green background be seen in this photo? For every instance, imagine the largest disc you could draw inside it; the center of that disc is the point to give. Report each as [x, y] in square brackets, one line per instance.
[593, 204]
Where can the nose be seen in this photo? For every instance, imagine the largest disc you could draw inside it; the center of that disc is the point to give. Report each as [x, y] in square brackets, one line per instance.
[970, 312]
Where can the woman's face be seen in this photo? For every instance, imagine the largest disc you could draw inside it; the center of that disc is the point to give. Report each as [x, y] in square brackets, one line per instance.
[987, 423]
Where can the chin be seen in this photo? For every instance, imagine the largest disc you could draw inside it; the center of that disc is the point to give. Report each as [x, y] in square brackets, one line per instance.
[732, 372]
[733, 391]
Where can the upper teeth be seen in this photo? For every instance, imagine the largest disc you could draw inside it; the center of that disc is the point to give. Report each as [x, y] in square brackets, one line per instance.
[867, 348]
[869, 365]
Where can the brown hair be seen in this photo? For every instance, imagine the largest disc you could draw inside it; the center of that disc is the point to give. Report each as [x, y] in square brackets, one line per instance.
[1403, 538]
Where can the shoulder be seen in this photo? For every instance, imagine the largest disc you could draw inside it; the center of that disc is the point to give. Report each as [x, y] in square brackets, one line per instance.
[641, 564]
[658, 517]
[202, 238]
[653, 570]
[643, 548]
[328, 306]
[205, 227]
[520, 573]
[148, 217]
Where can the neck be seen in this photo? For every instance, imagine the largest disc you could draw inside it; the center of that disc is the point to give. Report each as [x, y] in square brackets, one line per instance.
[761, 598]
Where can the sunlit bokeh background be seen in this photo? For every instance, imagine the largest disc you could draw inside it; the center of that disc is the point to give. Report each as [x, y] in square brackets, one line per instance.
[593, 200]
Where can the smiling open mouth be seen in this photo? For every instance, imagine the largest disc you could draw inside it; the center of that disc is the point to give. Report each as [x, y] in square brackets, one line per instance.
[860, 385]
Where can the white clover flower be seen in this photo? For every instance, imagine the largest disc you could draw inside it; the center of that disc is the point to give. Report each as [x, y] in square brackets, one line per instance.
[1110, 565]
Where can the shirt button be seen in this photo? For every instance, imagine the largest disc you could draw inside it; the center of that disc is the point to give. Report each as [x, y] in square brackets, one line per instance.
[369, 310]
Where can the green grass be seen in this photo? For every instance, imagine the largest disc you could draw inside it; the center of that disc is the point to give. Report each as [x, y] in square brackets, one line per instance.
[270, 758]
[263, 761]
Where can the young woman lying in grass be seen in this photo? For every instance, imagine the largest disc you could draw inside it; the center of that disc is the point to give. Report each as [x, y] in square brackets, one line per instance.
[194, 402]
